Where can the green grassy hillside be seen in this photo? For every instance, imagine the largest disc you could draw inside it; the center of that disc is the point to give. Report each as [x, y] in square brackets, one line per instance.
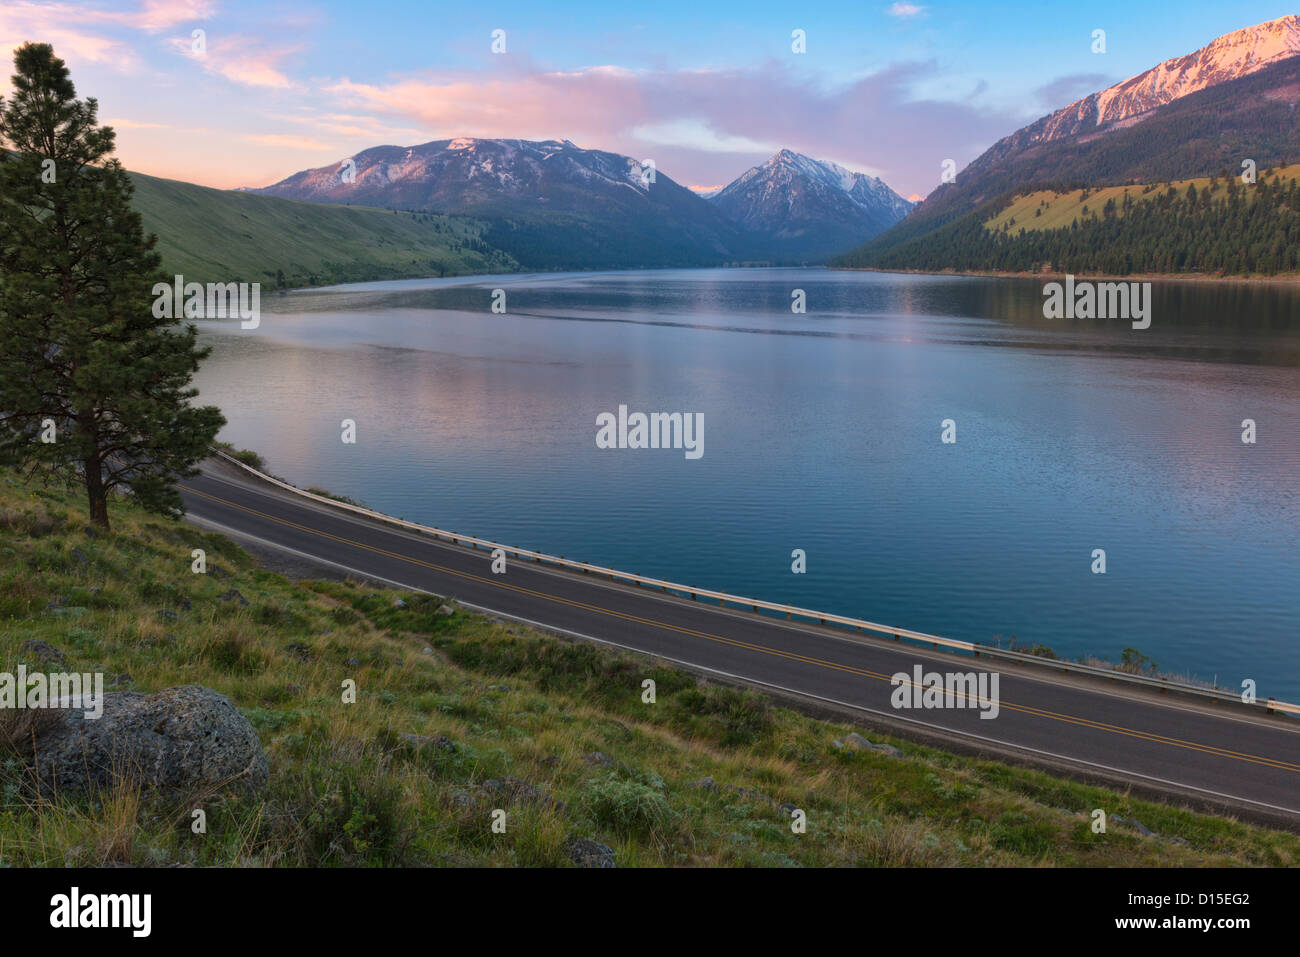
[1052, 209]
[458, 714]
[212, 235]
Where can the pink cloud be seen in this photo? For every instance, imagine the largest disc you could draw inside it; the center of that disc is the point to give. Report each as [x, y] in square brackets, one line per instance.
[701, 126]
[156, 15]
[240, 59]
[70, 28]
[22, 21]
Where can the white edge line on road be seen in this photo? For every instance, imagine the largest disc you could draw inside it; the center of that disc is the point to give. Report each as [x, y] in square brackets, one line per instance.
[754, 681]
[1091, 684]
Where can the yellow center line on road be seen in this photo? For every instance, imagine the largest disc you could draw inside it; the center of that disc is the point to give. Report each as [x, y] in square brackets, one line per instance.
[737, 643]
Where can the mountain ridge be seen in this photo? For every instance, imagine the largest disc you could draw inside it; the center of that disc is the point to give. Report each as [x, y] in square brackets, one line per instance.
[557, 205]
[808, 208]
[1250, 116]
[1226, 58]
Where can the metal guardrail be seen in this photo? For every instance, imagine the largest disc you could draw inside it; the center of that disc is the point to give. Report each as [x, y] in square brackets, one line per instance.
[790, 611]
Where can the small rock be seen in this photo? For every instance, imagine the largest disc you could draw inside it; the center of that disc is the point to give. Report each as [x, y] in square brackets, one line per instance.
[80, 557]
[751, 793]
[1137, 825]
[856, 742]
[706, 784]
[352, 663]
[298, 650]
[599, 757]
[167, 614]
[585, 852]
[234, 595]
[293, 689]
[421, 742]
[399, 604]
[789, 809]
[89, 532]
[427, 650]
[516, 791]
[446, 610]
[46, 653]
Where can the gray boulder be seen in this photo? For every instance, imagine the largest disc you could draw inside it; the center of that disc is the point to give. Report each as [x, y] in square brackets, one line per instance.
[187, 740]
[584, 852]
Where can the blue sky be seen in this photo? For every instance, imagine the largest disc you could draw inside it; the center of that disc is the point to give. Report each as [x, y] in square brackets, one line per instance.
[704, 89]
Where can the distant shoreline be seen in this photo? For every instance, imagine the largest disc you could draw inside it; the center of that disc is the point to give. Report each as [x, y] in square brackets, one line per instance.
[1284, 279]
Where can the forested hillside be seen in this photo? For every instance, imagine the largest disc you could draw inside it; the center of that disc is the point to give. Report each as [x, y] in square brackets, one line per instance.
[1209, 225]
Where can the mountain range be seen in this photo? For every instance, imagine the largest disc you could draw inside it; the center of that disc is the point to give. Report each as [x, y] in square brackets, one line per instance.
[1196, 115]
[1026, 203]
[552, 204]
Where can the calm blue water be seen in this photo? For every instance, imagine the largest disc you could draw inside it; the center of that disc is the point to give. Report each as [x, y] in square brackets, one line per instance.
[822, 432]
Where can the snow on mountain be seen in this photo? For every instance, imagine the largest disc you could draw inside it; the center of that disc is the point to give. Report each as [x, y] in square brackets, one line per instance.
[1231, 56]
[811, 205]
[457, 174]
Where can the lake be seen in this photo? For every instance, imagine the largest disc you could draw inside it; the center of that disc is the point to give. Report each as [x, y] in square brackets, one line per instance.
[822, 432]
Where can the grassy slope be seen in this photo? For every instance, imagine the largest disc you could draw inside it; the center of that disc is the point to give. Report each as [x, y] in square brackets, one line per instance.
[212, 235]
[1061, 209]
[347, 788]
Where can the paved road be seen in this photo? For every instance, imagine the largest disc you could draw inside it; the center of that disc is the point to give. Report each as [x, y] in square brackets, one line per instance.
[1220, 753]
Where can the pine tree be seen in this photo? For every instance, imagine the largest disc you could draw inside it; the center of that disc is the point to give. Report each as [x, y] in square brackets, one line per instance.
[93, 389]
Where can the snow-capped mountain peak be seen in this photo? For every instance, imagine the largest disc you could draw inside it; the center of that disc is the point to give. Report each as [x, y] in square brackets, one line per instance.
[1227, 58]
[809, 203]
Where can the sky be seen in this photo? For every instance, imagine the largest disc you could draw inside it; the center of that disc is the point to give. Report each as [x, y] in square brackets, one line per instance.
[705, 90]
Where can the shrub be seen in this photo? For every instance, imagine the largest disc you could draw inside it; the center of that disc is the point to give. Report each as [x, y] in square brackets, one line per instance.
[629, 807]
